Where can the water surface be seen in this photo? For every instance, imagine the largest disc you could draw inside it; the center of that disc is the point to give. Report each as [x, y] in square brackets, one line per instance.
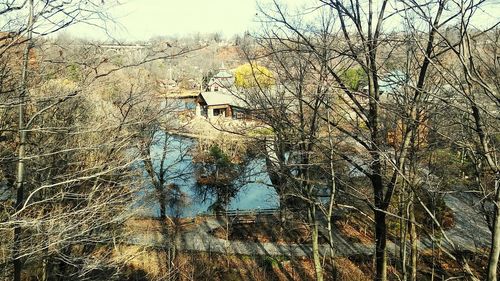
[254, 184]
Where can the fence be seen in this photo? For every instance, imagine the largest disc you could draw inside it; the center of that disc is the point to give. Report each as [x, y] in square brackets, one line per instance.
[236, 213]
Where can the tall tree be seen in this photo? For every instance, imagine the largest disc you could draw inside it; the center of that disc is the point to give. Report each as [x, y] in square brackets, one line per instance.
[366, 43]
[471, 73]
[67, 171]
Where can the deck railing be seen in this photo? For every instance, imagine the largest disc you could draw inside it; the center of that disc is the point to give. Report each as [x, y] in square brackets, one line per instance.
[251, 212]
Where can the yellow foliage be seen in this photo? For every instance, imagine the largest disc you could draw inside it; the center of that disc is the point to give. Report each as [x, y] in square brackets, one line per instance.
[253, 75]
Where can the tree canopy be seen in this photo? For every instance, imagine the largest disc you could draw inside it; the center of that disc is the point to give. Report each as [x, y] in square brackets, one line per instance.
[252, 75]
[354, 77]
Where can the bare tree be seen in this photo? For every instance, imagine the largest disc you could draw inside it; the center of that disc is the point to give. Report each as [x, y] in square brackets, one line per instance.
[294, 111]
[471, 73]
[68, 174]
[364, 116]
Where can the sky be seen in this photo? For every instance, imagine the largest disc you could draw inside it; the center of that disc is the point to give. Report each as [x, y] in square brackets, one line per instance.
[144, 19]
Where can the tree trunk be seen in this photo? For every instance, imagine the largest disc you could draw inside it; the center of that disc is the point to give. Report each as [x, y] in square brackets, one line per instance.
[315, 245]
[380, 246]
[414, 245]
[17, 262]
[18, 266]
[162, 201]
[329, 225]
[489, 156]
[333, 189]
[495, 238]
[45, 261]
[403, 231]
[45, 269]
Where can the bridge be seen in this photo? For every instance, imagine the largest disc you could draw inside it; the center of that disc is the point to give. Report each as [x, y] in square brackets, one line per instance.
[237, 212]
[242, 216]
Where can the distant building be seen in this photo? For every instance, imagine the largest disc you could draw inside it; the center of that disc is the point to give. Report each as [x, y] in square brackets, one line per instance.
[223, 81]
[219, 104]
[220, 100]
[391, 82]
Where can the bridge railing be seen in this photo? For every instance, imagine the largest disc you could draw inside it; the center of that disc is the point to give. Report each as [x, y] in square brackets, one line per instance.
[270, 211]
[252, 212]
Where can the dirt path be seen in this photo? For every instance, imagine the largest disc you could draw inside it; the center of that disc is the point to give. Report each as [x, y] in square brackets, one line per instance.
[199, 239]
[469, 233]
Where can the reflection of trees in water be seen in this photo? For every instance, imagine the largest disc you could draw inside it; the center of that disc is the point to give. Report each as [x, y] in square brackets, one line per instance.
[165, 162]
[297, 181]
[218, 178]
[176, 200]
[182, 175]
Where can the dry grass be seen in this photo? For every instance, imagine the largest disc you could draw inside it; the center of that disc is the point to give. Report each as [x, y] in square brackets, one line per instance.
[205, 266]
[266, 229]
[156, 225]
[348, 270]
[354, 233]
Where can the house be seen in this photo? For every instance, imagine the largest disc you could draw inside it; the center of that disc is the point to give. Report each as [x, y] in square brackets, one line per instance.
[220, 99]
[220, 104]
[223, 81]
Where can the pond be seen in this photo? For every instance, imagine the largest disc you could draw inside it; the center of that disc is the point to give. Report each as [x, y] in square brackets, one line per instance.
[253, 188]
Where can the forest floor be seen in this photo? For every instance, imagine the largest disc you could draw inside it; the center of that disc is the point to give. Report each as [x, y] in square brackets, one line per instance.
[264, 236]
[206, 235]
[256, 249]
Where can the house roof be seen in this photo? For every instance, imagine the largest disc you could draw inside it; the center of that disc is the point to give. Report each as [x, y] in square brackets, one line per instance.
[222, 82]
[223, 74]
[219, 98]
[223, 78]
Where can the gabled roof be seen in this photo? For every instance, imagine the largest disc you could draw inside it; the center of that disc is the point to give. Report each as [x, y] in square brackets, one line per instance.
[220, 98]
[223, 78]
[225, 83]
[223, 74]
